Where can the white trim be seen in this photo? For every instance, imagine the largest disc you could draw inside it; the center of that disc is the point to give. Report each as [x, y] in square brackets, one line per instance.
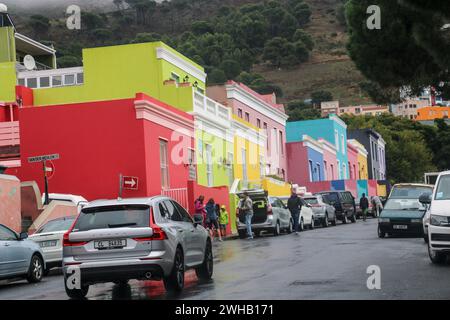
[311, 143]
[169, 56]
[234, 91]
[203, 124]
[328, 146]
[34, 43]
[338, 120]
[360, 147]
[48, 73]
[247, 133]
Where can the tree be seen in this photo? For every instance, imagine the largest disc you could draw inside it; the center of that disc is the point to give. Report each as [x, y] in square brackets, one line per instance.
[303, 14]
[217, 76]
[301, 35]
[318, 97]
[301, 51]
[288, 26]
[298, 110]
[146, 37]
[278, 51]
[120, 4]
[409, 50]
[91, 21]
[201, 27]
[40, 25]
[380, 95]
[231, 68]
[68, 61]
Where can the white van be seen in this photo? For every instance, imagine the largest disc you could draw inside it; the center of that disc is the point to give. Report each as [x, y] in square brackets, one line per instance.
[439, 219]
[79, 201]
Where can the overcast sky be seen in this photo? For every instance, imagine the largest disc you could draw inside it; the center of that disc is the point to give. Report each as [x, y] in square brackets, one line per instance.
[54, 3]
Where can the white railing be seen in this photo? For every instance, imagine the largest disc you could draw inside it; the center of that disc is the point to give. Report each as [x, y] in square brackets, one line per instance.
[211, 108]
[9, 133]
[51, 78]
[180, 195]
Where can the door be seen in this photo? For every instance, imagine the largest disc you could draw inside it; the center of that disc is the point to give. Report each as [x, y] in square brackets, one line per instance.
[285, 215]
[196, 235]
[13, 253]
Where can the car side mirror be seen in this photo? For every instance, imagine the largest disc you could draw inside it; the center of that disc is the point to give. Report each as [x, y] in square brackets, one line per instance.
[425, 198]
[198, 219]
[23, 236]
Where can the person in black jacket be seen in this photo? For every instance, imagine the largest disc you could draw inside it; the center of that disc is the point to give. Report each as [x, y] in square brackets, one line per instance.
[364, 205]
[295, 206]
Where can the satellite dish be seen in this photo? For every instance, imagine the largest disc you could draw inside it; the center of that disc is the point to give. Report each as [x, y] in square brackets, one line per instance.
[3, 8]
[29, 62]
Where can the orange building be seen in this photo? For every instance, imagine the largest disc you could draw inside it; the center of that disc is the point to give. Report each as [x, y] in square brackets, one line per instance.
[432, 113]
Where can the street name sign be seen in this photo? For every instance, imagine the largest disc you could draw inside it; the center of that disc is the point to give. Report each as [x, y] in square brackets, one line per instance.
[43, 158]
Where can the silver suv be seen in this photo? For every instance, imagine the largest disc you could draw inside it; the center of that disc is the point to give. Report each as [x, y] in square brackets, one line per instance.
[142, 238]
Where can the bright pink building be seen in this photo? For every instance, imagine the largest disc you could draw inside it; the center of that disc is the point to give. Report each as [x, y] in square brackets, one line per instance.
[329, 160]
[263, 112]
[98, 141]
[352, 162]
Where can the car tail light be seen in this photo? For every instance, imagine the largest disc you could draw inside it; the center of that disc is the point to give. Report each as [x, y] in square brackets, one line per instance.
[158, 233]
[68, 243]
[269, 210]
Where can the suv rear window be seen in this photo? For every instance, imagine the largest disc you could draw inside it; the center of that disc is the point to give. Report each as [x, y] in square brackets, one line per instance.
[311, 200]
[331, 197]
[131, 216]
[409, 192]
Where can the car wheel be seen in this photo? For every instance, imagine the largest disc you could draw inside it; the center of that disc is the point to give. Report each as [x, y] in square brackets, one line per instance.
[345, 219]
[276, 230]
[76, 293]
[312, 225]
[425, 238]
[205, 271]
[353, 219]
[435, 256]
[175, 281]
[302, 225]
[290, 228]
[36, 269]
[380, 233]
[325, 221]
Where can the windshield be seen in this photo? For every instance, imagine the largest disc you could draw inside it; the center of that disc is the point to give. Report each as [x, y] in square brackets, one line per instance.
[443, 188]
[131, 216]
[56, 225]
[404, 204]
[409, 192]
[311, 201]
[331, 198]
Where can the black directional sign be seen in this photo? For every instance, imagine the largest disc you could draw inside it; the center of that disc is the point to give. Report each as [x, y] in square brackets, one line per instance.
[43, 158]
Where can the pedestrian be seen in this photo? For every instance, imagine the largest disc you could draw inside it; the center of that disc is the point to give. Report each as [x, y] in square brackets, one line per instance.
[212, 218]
[377, 206]
[364, 205]
[223, 220]
[295, 206]
[200, 209]
[246, 208]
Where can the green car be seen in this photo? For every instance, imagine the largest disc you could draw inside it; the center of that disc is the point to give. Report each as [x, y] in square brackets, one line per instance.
[403, 213]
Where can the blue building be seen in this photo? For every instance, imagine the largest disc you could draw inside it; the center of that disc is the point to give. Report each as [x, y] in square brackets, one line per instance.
[331, 129]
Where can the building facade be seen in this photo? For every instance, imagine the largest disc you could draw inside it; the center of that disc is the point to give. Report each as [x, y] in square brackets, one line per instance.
[433, 113]
[363, 110]
[329, 107]
[409, 108]
[363, 173]
[376, 147]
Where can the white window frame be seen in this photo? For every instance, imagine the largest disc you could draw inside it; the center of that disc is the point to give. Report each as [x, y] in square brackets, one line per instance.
[164, 163]
[209, 165]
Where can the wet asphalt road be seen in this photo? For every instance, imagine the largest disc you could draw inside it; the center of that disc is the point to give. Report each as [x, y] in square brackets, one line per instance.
[326, 263]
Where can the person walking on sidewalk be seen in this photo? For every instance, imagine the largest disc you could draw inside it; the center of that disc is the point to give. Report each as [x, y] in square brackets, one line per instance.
[223, 220]
[200, 209]
[295, 207]
[212, 219]
[364, 205]
[377, 206]
[246, 209]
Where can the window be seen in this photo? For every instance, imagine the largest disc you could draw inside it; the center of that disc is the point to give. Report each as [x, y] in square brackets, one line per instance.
[7, 234]
[69, 79]
[275, 140]
[80, 78]
[200, 90]
[281, 142]
[192, 168]
[21, 82]
[240, 113]
[230, 168]
[247, 117]
[266, 131]
[325, 168]
[32, 83]
[339, 169]
[56, 81]
[209, 166]
[350, 169]
[343, 143]
[336, 138]
[319, 176]
[258, 123]
[183, 213]
[164, 165]
[175, 77]
[311, 171]
[244, 165]
[174, 215]
[45, 82]
[354, 172]
[344, 171]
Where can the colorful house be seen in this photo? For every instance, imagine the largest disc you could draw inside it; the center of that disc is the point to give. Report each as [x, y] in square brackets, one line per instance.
[330, 165]
[263, 112]
[352, 161]
[432, 113]
[331, 129]
[363, 173]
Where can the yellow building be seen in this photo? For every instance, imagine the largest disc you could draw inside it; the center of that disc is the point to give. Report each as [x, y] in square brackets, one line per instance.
[363, 168]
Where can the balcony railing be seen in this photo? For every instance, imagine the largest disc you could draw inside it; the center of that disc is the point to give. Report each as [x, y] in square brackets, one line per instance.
[9, 134]
[37, 79]
[210, 108]
[180, 195]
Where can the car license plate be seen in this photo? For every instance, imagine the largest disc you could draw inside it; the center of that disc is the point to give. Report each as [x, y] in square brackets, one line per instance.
[110, 244]
[400, 227]
[46, 244]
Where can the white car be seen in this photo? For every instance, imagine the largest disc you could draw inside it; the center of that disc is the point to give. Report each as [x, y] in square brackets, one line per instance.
[79, 201]
[439, 219]
[50, 239]
[306, 218]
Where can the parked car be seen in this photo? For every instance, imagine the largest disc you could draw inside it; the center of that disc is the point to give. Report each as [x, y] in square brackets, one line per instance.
[403, 213]
[19, 256]
[307, 218]
[269, 214]
[370, 211]
[439, 219]
[50, 238]
[323, 212]
[139, 238]
[344, 204]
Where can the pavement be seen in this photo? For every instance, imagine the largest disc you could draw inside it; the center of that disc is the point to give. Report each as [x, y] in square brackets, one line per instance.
[325, 263]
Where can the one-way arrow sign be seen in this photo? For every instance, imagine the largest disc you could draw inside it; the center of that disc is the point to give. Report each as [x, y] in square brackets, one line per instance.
[130, 183]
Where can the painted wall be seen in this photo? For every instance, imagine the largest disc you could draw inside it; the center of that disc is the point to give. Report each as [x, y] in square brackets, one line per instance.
[330, 165]
[353, 162]
[296, 155]
[10, 202]
[97, 142]
[363, 167]
[316, 159]
[8, 82]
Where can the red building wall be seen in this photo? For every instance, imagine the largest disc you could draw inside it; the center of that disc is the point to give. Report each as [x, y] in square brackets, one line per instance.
[96, 142]
[297, 160]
